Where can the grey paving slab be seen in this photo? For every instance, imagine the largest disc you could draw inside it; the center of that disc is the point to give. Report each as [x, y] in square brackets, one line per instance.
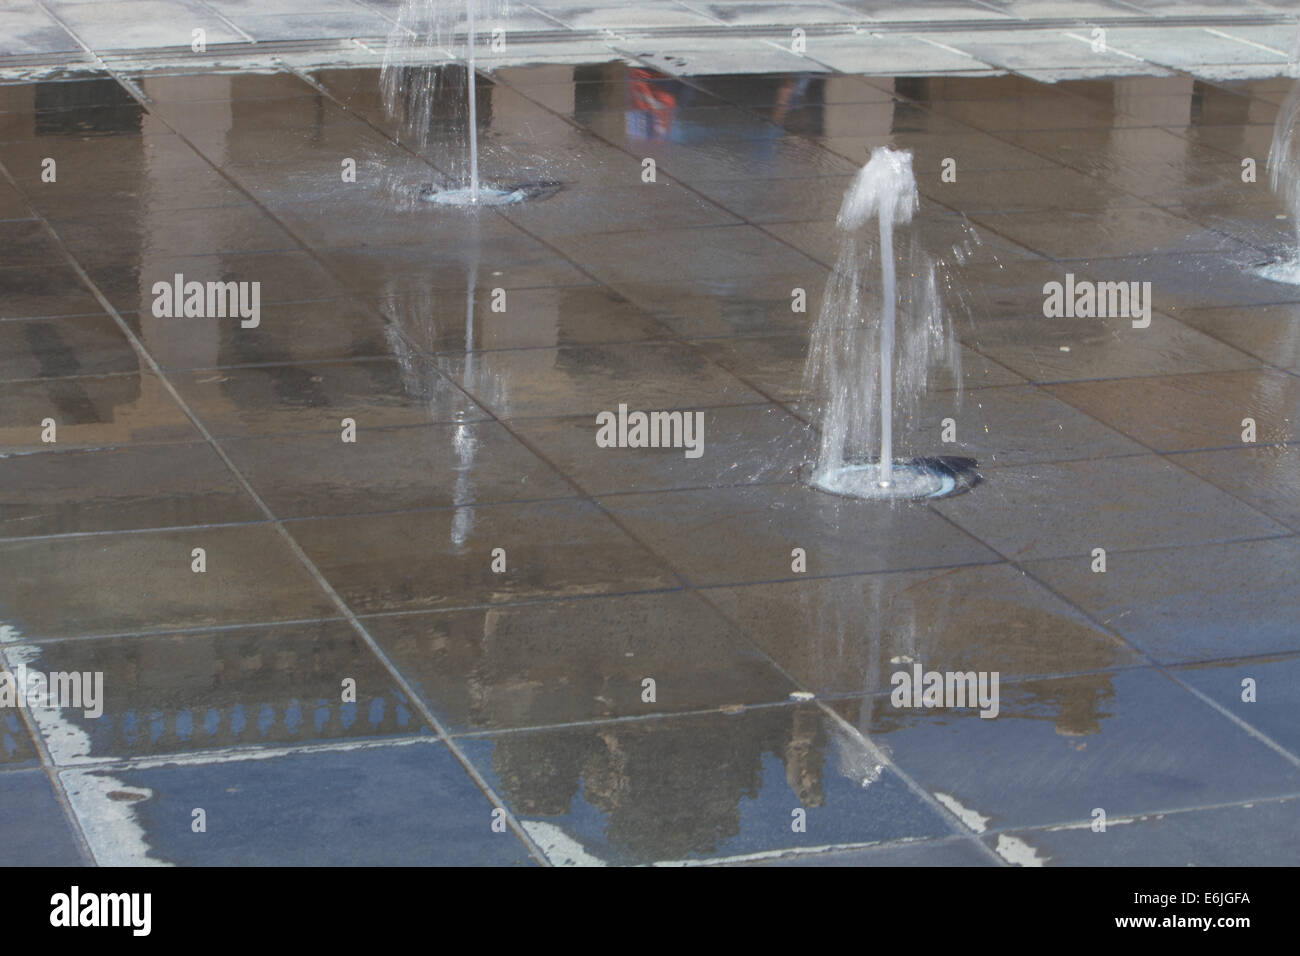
[202, 691]
[1223, 836]
[410, 805]
[1211, 602]
[1130, 743]
[34, 830]
[583, 660]
[741, 778]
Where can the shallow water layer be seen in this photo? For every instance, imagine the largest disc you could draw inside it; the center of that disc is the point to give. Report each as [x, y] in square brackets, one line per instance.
[497, 579]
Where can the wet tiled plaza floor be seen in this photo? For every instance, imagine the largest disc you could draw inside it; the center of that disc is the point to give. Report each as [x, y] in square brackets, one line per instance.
[498, 589]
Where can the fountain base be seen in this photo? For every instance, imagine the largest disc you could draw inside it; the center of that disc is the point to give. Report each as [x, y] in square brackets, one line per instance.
[1283, 270]
[909, 480]
[488, 195]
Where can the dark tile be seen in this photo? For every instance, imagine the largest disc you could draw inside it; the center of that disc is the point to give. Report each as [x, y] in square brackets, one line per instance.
[278, 399]
[108, 584]
[517, 263]
[1270, 333]
[527, 383]
[1274, 690]
[1220, 836]
[497, 318]
[850, 635]
[1100, 233]
[209, 690]
[443, 559]
[1054, 510]
[144, 486]
[128, 280]
[1008, 426]
[601, 792]
[317, 331]
[48, 289]
[16, 747]
[34, 830]
[742, 444]
[1267, 479]
[1207, 602]
[410, 805]
[90, 412]
[1131, 742]
[743, 534]
[394, 469]
[1064, 350]
[65, 347]
[1186, 412]
[570, 661]
[690, 254]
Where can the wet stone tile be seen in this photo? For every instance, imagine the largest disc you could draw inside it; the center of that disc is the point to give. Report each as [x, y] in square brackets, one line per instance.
[55, 348]
[1053, 510]
[1008, 426]
[741, 445]
[743, 534]
[34, 831]
[737, 780]
[145, 486]
[443, 559]
[16, 747]
[393, 469]
[518, 263]
[1188, 412]
[685, 254]
[410, 805]
[487, 319]
[128, 281]
[231, 229]
[1064, 349]
[529, 383]
[1131, 742]
[108, 584]
[48, 289]
[570, 661]
[1102, 233]
[1270, 333]
[850, 635]
[1208, 602]
[279, 399]
[1272, 693]
[1220, 836]
[1267, 479]
[90, 412]
[316, 331]
[757, 305]
[256, 686]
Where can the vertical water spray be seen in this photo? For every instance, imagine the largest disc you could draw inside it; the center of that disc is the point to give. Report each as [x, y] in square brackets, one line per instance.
[421, 85]
[875, 341]
[1284, 174]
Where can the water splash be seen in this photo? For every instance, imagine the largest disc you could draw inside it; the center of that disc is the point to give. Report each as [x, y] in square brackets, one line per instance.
[875, 343]
[423, 92]
[1284, 174]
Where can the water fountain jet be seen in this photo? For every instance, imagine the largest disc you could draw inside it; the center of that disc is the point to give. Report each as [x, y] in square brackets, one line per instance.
[413, 86]
[852, 330]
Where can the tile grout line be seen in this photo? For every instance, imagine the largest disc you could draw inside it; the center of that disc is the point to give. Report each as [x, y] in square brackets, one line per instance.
[417, 702]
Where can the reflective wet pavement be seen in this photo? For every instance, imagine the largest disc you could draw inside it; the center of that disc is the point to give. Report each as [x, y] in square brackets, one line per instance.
[498, 590]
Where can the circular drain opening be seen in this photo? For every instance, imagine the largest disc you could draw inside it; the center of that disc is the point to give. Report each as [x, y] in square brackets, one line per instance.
[1279, 270]
[488, 195]
[909, 480]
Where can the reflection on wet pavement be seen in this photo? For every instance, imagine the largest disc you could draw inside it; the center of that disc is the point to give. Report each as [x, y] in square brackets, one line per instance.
[373, 538]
